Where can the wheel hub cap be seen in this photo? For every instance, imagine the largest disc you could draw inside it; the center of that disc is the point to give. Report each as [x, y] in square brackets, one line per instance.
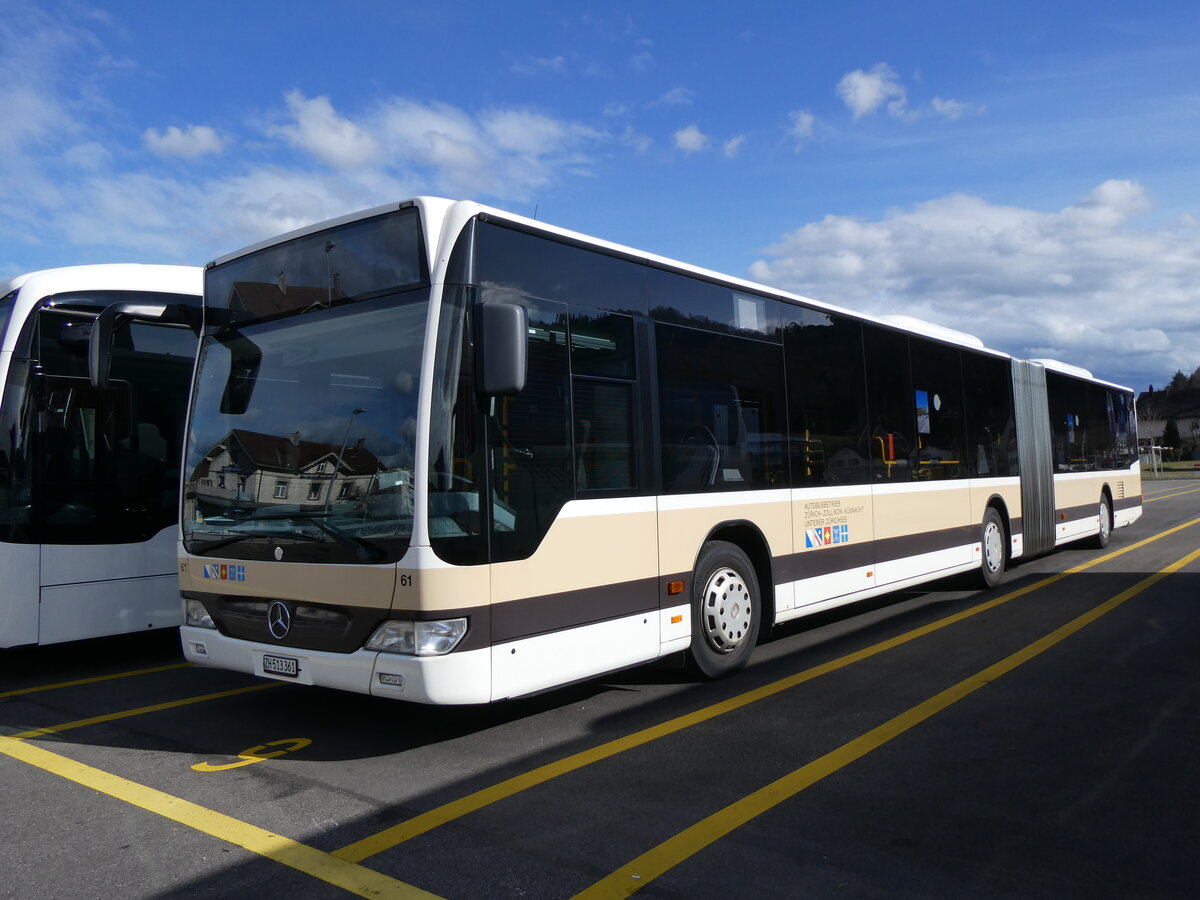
[726, 610]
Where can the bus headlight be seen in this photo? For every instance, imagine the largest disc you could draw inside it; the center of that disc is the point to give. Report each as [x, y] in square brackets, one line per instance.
[418, 638]
[194, 613]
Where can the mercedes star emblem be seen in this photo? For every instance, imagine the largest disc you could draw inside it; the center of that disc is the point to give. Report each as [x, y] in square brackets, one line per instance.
[279, 620]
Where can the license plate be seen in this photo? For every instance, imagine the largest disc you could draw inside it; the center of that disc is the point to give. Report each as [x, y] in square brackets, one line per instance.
[281, 665]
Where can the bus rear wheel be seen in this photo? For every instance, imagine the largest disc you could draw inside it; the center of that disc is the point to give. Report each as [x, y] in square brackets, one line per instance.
[726, 610]
[992, 536]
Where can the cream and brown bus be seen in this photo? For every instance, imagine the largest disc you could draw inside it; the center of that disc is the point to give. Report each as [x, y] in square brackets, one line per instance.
[443, 453]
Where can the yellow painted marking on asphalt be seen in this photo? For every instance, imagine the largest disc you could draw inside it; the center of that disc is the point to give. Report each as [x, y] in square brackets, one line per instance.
[635, 875]
[356, 879]
[142, 710]
[256, 754]
[427, 821]
[1156, 498]
[66, 684]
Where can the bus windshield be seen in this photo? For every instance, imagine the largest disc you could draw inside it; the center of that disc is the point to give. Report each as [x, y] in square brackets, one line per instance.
[303, 429]
[86, 466]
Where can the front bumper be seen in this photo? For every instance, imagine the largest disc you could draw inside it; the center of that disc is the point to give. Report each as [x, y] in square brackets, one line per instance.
[456, 678]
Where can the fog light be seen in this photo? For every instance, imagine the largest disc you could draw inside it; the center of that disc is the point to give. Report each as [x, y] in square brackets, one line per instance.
[391, 680]
[195, 614]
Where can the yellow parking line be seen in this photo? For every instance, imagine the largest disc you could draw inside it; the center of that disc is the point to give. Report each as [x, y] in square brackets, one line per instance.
[142, 710]
[427, 821]
[96, 679]
[348, 876]
[637, 874]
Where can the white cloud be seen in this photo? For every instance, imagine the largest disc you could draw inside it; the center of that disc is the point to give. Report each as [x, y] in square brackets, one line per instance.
[1081, 281]
[949, 109]
[865, 91]
[677, 96]
[691, 139]
[733, 146]
[318, 129]
[196, 140]
[803, 123]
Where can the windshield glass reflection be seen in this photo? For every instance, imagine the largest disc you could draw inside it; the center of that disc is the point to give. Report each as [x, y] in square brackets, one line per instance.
[315, 461]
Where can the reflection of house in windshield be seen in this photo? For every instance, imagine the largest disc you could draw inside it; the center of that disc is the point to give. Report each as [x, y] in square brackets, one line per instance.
[248, 470]
[265, 300]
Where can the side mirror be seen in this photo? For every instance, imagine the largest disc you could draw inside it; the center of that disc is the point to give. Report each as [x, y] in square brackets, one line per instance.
[100, 339]
[502, 347]
[244, 363]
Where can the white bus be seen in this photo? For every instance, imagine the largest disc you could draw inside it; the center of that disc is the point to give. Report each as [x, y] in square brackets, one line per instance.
[89, 478]
[442, 453]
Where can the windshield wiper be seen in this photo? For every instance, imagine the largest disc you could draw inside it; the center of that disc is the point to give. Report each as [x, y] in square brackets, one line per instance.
[240, 535]
[363, 549]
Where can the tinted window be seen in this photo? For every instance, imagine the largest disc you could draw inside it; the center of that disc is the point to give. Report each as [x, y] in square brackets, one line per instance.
[890, 405]
[602, 348]
[1069, 417]
[352, 262]
[601, 344]
[937, 396]
[603, 435]
[827, 398]
[531, 449]
[1123, 423]
[991, 433]
[689, 301]
[721, 406]
[84, 466]
[458, 480]
[538, 267]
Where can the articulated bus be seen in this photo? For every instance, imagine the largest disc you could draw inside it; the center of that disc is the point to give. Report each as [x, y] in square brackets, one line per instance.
[442, 453]
[89, 478]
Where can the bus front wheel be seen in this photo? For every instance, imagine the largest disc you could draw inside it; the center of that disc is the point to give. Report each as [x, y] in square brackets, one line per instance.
[992, 536]
[726, 610]
[1100, 541]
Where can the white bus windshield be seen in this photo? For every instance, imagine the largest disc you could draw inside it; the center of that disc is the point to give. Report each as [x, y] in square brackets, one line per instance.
[302, 437]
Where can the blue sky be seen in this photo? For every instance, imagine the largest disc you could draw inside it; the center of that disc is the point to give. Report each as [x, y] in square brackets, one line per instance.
[1023, 171]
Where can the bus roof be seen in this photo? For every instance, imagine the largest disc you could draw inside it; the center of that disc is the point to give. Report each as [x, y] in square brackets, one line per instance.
[439, 212]
[106, 277]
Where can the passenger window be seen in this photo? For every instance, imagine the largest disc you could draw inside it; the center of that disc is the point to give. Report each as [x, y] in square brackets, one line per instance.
[991, 433]
[890, 405]
[602, 344]
[827, 399]
[603, 435]
[1068, 422]
[937, 396]
[682, 300]
[721, 407]
[602, 363]
[539, 267]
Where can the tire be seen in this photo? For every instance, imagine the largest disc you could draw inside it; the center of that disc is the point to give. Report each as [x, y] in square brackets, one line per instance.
[726, 610]
[1100, 541]
[995, 550]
